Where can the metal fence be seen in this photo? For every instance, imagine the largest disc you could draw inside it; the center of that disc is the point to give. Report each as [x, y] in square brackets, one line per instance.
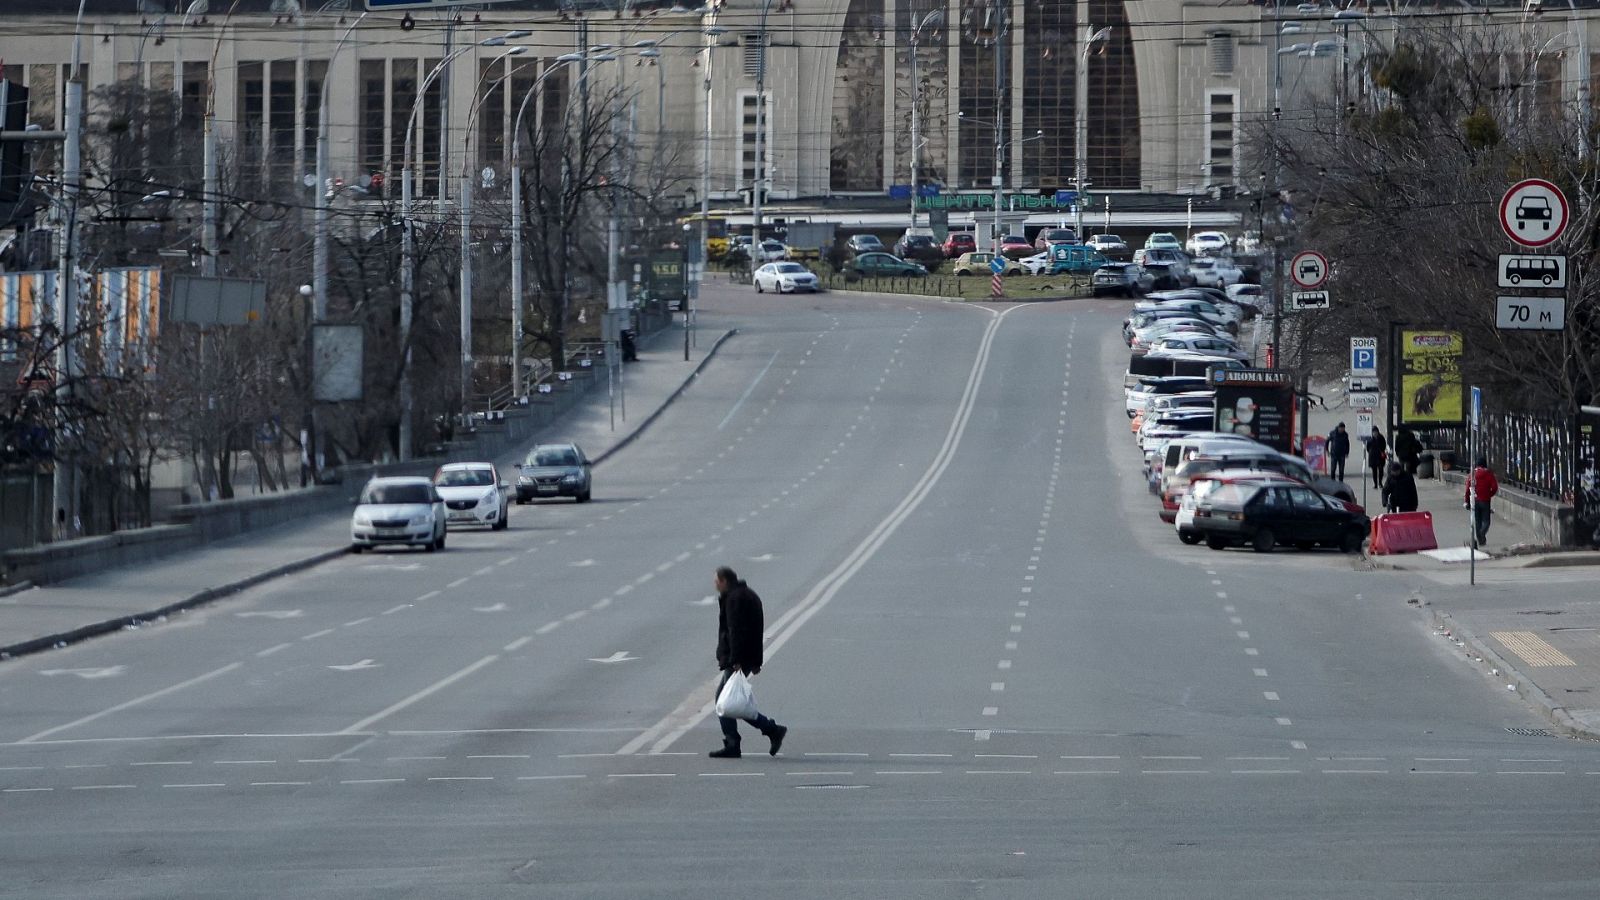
[1533, 452]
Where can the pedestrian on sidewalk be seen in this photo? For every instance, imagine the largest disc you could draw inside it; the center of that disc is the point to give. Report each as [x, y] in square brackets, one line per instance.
[1400, 491]
[1377, 456]
[1408, 448]
[1481, 488]
[1338, 449]
[739, 629]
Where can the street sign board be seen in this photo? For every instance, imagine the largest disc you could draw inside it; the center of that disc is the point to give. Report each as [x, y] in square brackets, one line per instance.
[1364, 357]
[1537, 271]
[1357, 385]
[1364, 399]
[1476, 414]
[1530, 313]
[1308, 300]
[1534, 212]
[1364, 424]
[997, 265]
[1308, 270]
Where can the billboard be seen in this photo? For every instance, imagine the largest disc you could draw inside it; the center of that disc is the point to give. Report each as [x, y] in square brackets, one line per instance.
[1257, 403]
[1430, 378]
[130, 301]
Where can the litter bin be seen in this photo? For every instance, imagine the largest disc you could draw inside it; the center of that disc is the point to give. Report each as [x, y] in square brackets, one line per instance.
[1425, 465]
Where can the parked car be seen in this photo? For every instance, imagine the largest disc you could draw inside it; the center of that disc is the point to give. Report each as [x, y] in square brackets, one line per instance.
[473, 494]
[1129, 279]
[555, 470]
[1110, 246]
[1207, 242]
[1015, 246]
[978, 262]
[865, 243]
[1037, 264]
[1265, 516]
[882, 265]
[1074, 259]
[1249, 242]
[398, 511]
[1054, 236]
[959, 242]
[920, 248]
[1214, 271]
[785, 278]
[1247, 295]
[1163, 240]
[772, 251]
[1200, 488]
[1202, 343]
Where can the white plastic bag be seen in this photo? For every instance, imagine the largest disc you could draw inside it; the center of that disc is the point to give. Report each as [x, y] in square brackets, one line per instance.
[738, 698]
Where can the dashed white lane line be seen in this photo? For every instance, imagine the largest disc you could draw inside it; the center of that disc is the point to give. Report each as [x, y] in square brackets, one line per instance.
[1251, 651]
[499, 756]
[1243, 635]
[1297, 745]
[507, 561]
[426, 692]
[1091, 757]
[1260, 673]
[547, 627]
[459, 582]
[243, 762]
[600, 604]
[1004, 664]
[550, 777]
[371, 780]
[991, 710]
[1005, 756]
[519, 643]
[394, 609]
[207, 784]
[279, 783]
[164, 762]
[103, 787]
[832, 753]
[997, 686]
[909, 772]
[1270, 695]
[1284, 720]
[354, 622]
[428, 596]
[732, 774]
[316, 634]
[921, 755]
[274, 649]
[575, 615]
[460, 777]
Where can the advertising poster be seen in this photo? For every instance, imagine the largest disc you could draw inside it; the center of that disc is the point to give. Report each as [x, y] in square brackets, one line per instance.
[1430, 378]
[1257, 403]
[1587, 497]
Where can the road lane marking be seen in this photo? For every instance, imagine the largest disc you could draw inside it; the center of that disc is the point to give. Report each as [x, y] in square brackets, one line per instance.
[423, 694]
[991, 710]
[354, 622]
[749, 390]
[909, 772]
[1270, 695]
[1091, 757]
[243, 762]
[394, 609]
[165, 762]
[1251, 651]
[103, 787]
[208, 784]
[460, 777]
[1260, 673]
[279, 783]
[499, 756]
[518, 644]
[1297, 745]
[428, 596]
[316, 634]
[1284, 720]
[547, 627]
[371, 780]
[697, 707]
[459, 582]
[271, 650]
[549, 777]
[921, 755]
[129, 704]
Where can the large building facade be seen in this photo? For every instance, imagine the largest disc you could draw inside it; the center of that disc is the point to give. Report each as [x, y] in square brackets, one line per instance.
[1169, 90]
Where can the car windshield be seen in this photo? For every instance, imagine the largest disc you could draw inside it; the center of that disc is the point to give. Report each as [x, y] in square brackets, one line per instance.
[464, 478]
[918, 240]
[552, 456]
[1109, 239]
[771, 245]
[791, 267]
[389, 494]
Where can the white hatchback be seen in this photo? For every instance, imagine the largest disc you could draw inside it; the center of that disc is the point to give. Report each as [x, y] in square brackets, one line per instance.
[473, 494]
[398, 511]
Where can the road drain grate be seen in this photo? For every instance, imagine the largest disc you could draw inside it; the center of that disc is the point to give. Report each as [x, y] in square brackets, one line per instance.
[1531, 732]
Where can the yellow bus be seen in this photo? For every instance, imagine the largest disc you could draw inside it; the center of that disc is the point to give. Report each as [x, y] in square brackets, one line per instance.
[716, 234]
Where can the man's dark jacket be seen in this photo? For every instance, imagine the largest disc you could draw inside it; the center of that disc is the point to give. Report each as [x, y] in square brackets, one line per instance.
[1339, 444]
[739, 628]
[1400, 492]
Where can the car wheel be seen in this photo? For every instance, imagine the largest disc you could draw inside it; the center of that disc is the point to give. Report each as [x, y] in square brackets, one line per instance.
[1305, 545]
[758, 288]
[1189, 537]
[357, 548]
[1352, 541]
[440, 542]
[430, 547]
[1216, 543]
[583, 497]
[1264, 541]
[504, 522]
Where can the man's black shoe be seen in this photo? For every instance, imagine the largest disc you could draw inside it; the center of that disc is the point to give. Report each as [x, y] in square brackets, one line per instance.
[779, 732]
[725, 753]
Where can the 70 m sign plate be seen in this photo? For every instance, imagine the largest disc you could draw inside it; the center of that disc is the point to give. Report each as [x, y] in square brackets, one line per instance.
[1530, 313]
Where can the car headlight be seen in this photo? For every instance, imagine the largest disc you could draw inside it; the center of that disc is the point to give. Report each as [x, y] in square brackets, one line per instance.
[570, 479]
[524, 479]
[363, 519]
[419, 521]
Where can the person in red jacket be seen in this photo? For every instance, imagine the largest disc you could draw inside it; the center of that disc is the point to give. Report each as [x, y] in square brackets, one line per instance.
[1481, 488]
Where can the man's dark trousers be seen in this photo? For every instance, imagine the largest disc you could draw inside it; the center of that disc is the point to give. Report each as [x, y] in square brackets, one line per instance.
[1336, 467]
[730, 725]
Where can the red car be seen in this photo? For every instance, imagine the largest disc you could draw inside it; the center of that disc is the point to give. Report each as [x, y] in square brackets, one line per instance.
[959, 242]
[1015, 246]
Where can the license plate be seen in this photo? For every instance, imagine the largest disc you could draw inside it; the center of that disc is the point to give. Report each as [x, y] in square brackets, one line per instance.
[391, 532]
[462, 517]
[547, 489]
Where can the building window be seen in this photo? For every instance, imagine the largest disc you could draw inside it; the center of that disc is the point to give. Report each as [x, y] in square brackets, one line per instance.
[1220, 137]
[855, 154]
[754, 58]
[316, 74]
[1114, 114]
[281, 90]
[1221, 53]
[252, 118]
[1049, 73]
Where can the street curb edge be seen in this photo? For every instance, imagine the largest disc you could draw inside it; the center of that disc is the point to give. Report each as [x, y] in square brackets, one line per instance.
[1526, 688]
[671, 398]
[83, 633]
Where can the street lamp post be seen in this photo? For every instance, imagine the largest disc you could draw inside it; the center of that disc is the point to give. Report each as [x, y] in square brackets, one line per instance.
[407, 240]
[516, 212]
[932, 19]
[319, 261]
[1090, 37]
[760, 170]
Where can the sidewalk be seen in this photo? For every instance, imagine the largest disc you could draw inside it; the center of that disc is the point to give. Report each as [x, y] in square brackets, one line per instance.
[43, 617]
[1530, 620]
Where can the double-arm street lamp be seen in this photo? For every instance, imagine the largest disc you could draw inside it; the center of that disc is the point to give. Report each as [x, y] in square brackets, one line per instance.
[1000, 144]
[928, 23]
[407, 240]
[1080, 141]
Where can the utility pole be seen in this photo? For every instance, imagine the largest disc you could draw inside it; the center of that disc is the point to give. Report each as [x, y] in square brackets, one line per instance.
[1000, 10]
[757, 186]
[64, 481]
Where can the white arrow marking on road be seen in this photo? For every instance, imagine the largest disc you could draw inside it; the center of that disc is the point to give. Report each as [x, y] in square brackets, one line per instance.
[705, 601]
[619, 656]
[765, 557]
[272, 614]
[364, 664]
[581, 563]
[107, 672]
[498, 607]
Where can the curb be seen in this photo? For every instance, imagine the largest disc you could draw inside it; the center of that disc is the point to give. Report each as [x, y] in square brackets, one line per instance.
[671, 398]
[1530, 693]
[35, 645]
[17, 588]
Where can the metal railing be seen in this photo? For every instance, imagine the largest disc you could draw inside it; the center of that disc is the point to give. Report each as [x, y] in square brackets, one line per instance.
[1530, 451]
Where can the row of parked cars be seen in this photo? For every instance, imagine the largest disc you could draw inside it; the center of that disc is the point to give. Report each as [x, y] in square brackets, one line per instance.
[417, 511]
[1223, 489]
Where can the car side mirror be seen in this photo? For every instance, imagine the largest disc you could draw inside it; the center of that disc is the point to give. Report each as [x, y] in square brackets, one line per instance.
[504, 486]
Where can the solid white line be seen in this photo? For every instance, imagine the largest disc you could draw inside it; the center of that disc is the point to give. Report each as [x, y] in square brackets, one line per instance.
[824, 591]
[420, 695]
[748, 391]
[132, 703]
